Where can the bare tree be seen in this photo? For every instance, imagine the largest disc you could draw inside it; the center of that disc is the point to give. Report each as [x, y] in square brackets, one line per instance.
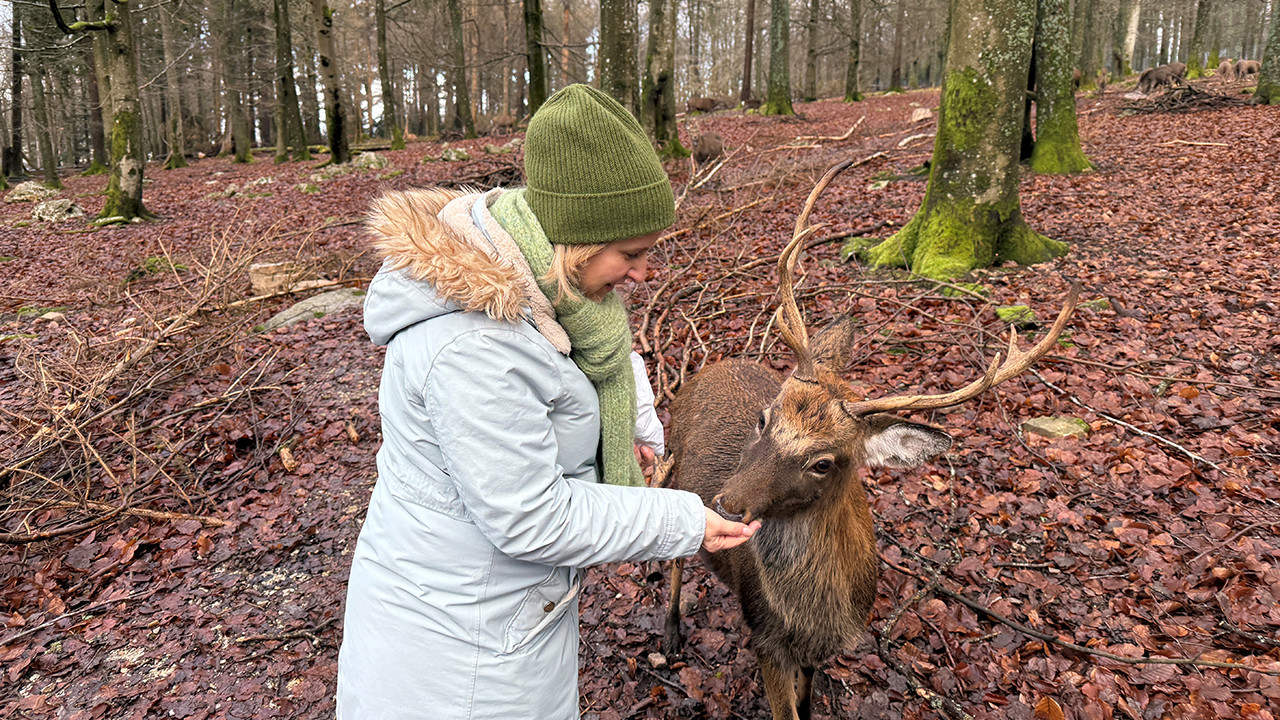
[390, 117]
[971, 215]
[852, 93]
[288, 115]
[1199, 40]
[536, 54]
[778, 100]
[334, 103]
[1268, 91]
[618, 76]
[174, 132]
[745, 93]
[1057, 143]
[659, 92]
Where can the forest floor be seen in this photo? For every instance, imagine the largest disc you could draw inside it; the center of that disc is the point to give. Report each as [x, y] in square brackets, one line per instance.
[180, 544]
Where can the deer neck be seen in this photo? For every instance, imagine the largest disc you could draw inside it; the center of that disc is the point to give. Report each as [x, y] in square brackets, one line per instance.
[823, 556]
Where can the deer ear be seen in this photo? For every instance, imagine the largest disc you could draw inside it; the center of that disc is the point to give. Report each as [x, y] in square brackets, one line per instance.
[831, 346]
[896, 443]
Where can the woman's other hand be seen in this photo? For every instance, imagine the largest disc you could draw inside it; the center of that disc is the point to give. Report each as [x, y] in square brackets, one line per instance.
[724, 534]
[646, 458]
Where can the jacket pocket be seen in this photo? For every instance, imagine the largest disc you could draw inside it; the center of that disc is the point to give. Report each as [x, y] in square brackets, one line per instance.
[543, 605]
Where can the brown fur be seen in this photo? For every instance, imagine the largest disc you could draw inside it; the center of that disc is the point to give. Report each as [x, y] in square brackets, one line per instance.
[1227, 70]
[408, 232]
[807, 580]
[707, 147]
[1244, 68]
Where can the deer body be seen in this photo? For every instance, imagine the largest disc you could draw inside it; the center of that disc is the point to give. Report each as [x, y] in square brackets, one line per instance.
[753, 444]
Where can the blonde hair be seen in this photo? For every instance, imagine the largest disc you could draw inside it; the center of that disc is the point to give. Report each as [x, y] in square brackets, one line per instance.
[567, 264]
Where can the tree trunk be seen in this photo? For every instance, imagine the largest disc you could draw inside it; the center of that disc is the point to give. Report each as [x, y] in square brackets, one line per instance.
[334, 103]
[1057, 145]
[1091, 48]
[852, 92]
[659, 108]
[745, 94]
[11, 160]
[778, 100]
[1125, 38]
[565, 17]
[971, 216]
[48, 157]
[390, 117]
[1200, 40]
[536, 55]
[97, 138]
[289, 116]
[124, 189]
[811, 53]
[236, 80]
[618, 30]
[895, 65]
[1268, 91]
[307, 98]
[174, 132]
[458, 74]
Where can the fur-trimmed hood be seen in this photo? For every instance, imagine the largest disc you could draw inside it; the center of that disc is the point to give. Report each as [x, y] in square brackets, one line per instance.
[443, 252]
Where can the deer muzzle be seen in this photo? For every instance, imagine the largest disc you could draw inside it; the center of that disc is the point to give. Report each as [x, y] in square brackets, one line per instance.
[718, 506]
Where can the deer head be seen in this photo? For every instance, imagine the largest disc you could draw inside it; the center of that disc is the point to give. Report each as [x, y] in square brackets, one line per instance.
[810, 441]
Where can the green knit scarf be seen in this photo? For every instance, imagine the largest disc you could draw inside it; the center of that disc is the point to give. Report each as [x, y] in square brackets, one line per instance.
[601, 339]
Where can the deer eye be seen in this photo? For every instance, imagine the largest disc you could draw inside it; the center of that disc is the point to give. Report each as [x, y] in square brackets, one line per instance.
[764, 420]
[822, 467]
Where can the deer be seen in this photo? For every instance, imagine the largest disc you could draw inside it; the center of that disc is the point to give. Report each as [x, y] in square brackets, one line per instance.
[786, 450]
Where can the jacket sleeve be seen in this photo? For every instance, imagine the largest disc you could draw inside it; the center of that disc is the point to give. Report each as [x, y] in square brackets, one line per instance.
[489, 394]
[648, 426]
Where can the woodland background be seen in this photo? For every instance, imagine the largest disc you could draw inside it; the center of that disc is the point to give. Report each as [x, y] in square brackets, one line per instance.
[181, 488]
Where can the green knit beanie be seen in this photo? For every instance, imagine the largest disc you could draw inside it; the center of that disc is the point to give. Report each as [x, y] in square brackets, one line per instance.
[592, 174]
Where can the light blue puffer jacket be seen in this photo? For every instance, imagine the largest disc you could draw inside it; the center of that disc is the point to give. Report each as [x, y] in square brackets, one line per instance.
[463, 596]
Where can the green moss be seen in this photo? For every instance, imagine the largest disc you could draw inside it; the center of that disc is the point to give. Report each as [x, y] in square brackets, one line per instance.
[397, 138]
[317, 314]
[1025, 246]
[1267, 94]
[7, 258]
[1097, 304]
[19, 336]
[856, 97]
[96, 168]
[855, 247]
[966, 290]
[308, 188]
[37, 311]
[674, 150]
[1019, 315]
[22, 223]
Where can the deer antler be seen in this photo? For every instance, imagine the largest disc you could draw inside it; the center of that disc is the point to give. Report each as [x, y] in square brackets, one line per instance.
[790, 323]
[1015, 362]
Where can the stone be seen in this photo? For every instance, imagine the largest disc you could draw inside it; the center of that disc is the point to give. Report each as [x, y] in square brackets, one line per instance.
[1017, 315]
[370, 161]
[657, 660]
[56, 211]
[52, 316]
[30, 191]
[271, 278]
[320, 305]
[1056, 427]
[921, 114]
[453, 154]
[1097, 304]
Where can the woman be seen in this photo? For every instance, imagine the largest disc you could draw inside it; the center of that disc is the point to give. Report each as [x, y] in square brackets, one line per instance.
[507, 396]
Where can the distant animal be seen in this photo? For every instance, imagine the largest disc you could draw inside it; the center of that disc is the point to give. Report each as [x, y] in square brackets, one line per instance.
[1076, 77]
[751, 103]
[753, 444]
[1227, 70]
[1170, 75]
[708, 147]
[701, 104]
[1103, 78]
[502, 123]
[1245, 68]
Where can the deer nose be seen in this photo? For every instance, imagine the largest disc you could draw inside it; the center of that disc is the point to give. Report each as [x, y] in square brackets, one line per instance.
[718, 506]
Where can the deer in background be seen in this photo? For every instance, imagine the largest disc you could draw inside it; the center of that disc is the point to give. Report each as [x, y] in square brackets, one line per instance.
[754, 445]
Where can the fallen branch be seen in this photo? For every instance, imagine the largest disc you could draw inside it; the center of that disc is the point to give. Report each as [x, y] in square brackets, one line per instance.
[834, 137]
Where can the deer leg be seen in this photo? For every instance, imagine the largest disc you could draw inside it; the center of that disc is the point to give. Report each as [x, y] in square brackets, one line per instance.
[671, 634]
[780, 688]
[804, 693]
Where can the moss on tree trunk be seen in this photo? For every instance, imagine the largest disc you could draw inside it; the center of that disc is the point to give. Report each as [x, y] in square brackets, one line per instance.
[1057, 144]
[1268, 90]
[778, 100]
[971, 215]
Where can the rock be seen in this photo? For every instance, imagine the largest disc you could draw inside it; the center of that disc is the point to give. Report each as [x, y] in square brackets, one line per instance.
[657, 660]
[30, 191]
[271, 278]
[921, 114]
[52, 317]
[1055, 427]
[1017, 315]
[317, 306]
[329, 172]
[497, 149]
[1097, 304]
[370, 161]
[452, 154]
[56, 211]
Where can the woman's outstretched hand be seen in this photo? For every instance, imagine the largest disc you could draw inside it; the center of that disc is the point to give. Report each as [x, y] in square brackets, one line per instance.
[724, 534]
